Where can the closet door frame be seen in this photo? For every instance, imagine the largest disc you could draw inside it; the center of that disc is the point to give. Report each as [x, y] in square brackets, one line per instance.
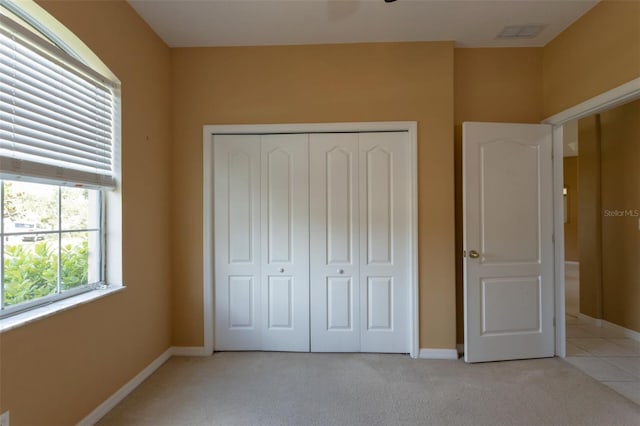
[208, 207]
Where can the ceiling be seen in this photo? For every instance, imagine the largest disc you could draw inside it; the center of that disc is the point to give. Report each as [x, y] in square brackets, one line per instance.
[470, 23]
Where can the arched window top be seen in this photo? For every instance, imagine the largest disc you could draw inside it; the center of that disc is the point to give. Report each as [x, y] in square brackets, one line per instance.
[32, 17]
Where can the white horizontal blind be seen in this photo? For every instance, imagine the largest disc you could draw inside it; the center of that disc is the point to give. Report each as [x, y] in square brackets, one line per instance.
[56, 114]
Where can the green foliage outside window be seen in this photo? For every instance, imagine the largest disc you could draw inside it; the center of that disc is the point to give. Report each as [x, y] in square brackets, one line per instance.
[31, 271]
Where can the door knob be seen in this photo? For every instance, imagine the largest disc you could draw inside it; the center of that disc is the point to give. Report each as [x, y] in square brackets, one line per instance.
[281, 270]
[340, 271]
[474, 254]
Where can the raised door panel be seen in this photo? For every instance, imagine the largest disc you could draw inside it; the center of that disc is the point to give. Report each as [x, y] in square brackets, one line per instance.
[379, 205]
[334, 243]
[285, 242]
[339, 315]
[280, 303]
[509, 189]
[241, 302]
[279, 208]
[385, 215]
[380, 307]
[237, 242]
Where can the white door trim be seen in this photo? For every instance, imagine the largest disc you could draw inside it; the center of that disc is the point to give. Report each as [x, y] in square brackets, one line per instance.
[558, 234]
[622, 94]
[625, 93]
[208, 209]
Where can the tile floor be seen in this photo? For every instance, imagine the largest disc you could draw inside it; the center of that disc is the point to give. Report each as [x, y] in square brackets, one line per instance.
[606, 355]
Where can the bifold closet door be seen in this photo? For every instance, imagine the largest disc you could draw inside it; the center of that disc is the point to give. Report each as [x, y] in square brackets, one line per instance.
[312, 244]
[334, 242]
[238, 311]
[360, 242]
[385, 218]
[285, 242]
[261, 242]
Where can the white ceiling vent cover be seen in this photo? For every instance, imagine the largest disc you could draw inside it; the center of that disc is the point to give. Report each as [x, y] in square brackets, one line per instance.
[521, 31]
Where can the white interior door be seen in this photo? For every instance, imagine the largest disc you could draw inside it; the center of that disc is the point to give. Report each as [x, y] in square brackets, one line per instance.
[237, 242]
[508, 241]
[285, 242]
[385, 217]
[335, 245]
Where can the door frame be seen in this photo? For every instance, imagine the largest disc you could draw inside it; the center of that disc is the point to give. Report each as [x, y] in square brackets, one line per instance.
[627, 92]
[208, 249]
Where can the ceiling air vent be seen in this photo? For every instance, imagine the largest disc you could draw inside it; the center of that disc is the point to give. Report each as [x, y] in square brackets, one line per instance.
[521, 31]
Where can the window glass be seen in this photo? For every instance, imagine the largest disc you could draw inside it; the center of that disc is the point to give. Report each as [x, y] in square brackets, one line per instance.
[29, 207]
[50, 241]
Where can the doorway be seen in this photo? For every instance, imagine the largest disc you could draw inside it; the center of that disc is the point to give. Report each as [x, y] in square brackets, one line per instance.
[603, 334]
[620, 95]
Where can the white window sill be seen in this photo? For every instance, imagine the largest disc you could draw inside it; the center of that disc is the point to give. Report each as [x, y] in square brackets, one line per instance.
[45, 311]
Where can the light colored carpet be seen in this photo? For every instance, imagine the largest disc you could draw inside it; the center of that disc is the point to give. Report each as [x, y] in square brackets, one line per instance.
[261, 388]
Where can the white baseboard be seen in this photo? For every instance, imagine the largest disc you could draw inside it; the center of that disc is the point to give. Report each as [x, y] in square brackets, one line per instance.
[631, 334]
[189, 351]
[571, 263]
[589, 320]
[125, 390]
[426, 353]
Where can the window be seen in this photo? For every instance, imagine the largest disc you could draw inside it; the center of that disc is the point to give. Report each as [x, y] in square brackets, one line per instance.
[50, 242]
[58, 166]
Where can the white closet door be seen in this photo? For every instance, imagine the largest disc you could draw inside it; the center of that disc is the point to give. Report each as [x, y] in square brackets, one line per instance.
[356, 288]
[384, 241]
[285, 242]
[237, 242]
[334, 243]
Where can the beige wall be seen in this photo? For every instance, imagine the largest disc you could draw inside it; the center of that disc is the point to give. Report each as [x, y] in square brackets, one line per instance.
[320, 83]
[597, 53]
[590, 225]
[571, 226]
[56, 371]
[620, 135]
[500, 85]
